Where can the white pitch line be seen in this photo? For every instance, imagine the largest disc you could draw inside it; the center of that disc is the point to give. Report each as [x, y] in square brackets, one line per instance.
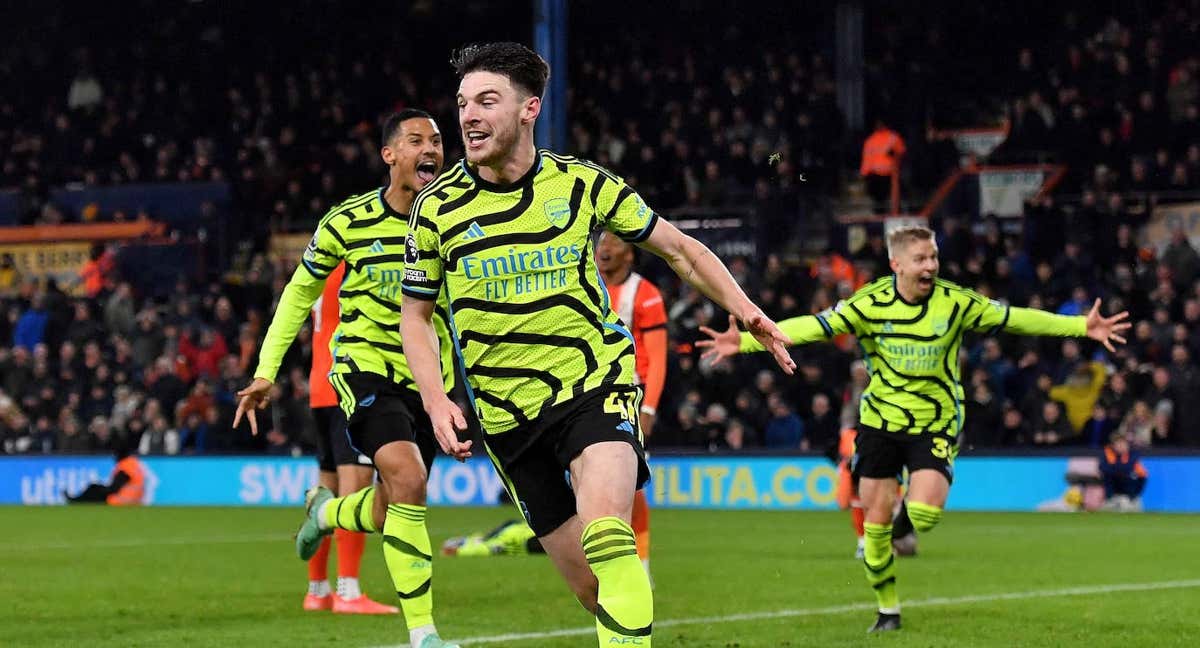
[1081, 590]
[106, 544]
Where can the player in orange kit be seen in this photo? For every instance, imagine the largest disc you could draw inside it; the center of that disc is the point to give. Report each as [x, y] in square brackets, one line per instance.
[640, 306]
[847, 490]
[342, 470]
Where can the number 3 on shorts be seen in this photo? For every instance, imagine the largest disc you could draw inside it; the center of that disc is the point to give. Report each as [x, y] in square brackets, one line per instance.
[941, 448]
[623, 404]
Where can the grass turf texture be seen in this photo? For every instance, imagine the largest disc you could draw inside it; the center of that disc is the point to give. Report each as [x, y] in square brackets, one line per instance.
[225, 576]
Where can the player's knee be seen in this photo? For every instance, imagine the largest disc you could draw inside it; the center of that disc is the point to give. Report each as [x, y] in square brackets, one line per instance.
[924, 516]
[588, 594]
[404, 487]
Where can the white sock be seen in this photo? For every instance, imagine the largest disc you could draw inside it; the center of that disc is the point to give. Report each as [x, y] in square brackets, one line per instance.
[348, 588]
[321, 516]
[318, 588]
[862, 542]
[646, 564]
[417, 635]
[891, 610]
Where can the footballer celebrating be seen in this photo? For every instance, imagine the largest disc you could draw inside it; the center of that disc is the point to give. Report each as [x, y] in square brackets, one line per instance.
[911, 326]
[383, 416]
[507, 238]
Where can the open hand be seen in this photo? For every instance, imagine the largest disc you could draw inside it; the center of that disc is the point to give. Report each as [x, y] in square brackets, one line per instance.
[1107, 330]
[721, 345]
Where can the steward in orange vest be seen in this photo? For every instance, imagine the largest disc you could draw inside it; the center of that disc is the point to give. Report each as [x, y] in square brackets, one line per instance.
[127, 486]
[880, 167]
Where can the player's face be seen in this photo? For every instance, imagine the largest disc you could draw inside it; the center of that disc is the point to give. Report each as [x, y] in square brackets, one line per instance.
[415, 153]
[491, 113]
[612, 254]
[916, 267]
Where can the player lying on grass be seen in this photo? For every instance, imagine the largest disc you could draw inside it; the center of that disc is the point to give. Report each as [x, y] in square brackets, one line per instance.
[510, 538]
[911, 326]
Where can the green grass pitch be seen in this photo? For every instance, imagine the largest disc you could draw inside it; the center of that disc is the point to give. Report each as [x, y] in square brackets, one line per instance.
[229, 577]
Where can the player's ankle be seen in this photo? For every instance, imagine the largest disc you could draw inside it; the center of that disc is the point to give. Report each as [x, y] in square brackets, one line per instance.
[418, 634]
[322, 521]
[348, 588]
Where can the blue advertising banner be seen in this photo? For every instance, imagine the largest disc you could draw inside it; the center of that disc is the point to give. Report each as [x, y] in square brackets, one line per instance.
[707, 482]
[222, 481]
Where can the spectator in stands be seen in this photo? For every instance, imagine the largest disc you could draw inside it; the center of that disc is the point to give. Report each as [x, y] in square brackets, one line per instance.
[1139, 426]
[785, 431]
[71, 437]
[1015, 432]
[1162, 398]
[1080, 392]
[193, 433]
[735, 437]
[119, 311]
[750, 410]
[687, 423]
[83, 327]
[149, 341]
[162, 385]
[1099, 428]
[85, 90]
[713, 426]
[225, 323]
[1182, 93]
[822, 426]
[1078, 304]
[983, 416]
[10, 275]
[1181, 259]
[1034, 398]
[1124, 475]
[1052, 428]
[30, 330]
[159, 438]
[204, 357]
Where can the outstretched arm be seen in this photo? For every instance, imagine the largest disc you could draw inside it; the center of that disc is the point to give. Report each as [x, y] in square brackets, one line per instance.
[697, 265]
[801, 330]
[1105, 330]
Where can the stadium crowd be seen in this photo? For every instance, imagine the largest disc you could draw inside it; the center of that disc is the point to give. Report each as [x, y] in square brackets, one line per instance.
[1018, 391]
[164, 371]
[689, 131]
[1113, 92]
[294, 136]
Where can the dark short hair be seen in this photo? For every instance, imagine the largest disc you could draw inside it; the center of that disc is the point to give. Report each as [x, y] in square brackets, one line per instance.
[391, 123]
[523, 66]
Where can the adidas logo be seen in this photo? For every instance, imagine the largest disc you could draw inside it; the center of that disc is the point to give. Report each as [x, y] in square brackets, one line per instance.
[473, 232]
[626, 426]
[377, 247]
